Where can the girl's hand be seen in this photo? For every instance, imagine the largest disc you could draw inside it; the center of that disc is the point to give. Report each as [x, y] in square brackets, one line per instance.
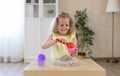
[61, 40]
[75, 52]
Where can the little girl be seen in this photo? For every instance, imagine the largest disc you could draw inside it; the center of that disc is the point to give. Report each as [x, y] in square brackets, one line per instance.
[62, 29]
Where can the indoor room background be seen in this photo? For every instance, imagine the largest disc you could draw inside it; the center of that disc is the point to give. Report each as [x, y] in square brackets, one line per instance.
[37, 30]
[100, 22]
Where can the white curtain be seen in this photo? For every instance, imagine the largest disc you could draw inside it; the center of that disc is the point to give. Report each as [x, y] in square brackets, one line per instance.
[11, 30]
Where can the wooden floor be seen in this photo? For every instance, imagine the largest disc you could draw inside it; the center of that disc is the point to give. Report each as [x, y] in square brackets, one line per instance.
[16, 69]
[12, 69]
[113, 69]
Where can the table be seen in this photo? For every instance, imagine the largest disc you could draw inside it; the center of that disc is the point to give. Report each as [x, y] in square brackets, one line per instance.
[89, 69]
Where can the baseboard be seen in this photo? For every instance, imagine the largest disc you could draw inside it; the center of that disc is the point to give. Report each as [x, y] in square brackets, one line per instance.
[28, 60]
[104, 58]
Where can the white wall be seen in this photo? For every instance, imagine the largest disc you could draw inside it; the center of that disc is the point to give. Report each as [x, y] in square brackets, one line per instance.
[44, 34]
[36, 32]
[32, 39]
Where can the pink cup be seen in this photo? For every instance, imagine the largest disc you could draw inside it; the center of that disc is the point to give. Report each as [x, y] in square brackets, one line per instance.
[71, 50]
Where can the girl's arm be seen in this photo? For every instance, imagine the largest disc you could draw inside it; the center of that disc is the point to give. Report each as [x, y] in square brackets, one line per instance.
[48, 43]
[75, 43]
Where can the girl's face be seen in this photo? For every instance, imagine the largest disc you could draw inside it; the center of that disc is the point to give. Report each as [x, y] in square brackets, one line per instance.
[63, 26]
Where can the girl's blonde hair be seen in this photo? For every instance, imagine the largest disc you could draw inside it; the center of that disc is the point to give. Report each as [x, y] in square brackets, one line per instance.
[55, 22]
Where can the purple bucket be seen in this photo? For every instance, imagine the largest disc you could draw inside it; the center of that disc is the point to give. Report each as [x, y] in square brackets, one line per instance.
[41, 59]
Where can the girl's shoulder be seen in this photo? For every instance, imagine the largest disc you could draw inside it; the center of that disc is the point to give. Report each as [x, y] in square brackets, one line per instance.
[53, 33]
[73, 34]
